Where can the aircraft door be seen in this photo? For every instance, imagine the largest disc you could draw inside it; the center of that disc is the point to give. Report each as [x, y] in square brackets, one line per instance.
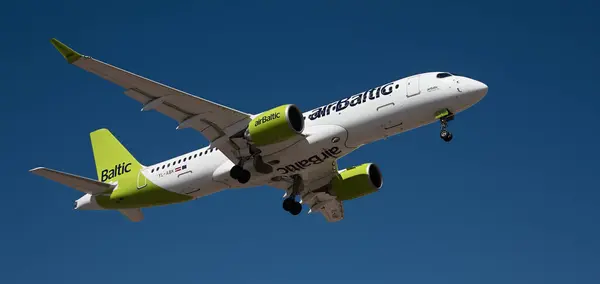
[412, 86]
[141, 180]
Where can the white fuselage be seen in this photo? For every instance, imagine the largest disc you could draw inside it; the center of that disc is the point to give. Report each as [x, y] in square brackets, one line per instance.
[331, 132]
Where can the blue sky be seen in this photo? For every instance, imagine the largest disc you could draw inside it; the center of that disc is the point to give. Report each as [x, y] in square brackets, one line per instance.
[513, 199]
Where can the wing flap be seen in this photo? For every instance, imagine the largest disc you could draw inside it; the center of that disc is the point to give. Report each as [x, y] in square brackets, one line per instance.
[333, 211]
[83, 184]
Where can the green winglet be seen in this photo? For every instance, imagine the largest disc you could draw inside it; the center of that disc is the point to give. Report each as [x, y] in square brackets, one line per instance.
[69, 54]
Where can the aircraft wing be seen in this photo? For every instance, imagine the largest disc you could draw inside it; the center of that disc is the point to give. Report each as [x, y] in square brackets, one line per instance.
[213, 120]
[315, 195]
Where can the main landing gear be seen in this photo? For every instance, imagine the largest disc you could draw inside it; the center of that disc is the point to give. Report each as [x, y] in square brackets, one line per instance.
[445, 116]
[290, 204]
[240, 174]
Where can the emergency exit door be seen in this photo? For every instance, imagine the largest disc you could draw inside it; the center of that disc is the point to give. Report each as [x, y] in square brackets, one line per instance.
[412, 86]
[141, 180]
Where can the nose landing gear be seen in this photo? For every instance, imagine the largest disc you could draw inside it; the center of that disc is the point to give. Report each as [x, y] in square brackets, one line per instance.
[445, 116]
[446, 135]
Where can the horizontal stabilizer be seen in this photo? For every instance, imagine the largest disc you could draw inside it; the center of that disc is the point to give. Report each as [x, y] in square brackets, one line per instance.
[134, 215]
[83, 184]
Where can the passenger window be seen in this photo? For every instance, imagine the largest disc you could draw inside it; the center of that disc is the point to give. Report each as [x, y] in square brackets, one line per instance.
[152, 171]
[163, 167]
[184, 159]
[195, 155]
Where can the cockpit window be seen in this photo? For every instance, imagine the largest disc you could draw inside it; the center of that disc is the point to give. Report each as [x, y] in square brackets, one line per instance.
[443, 75]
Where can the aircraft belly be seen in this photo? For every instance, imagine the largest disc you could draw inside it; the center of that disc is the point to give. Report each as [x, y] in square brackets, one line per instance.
[203, 183]
[195, 179]
[322, 143]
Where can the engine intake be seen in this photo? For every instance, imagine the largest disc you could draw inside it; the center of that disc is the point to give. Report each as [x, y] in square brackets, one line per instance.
[357, 181]
[275, 125]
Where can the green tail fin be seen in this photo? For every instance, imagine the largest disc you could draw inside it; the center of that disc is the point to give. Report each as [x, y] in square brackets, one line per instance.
[113, 161]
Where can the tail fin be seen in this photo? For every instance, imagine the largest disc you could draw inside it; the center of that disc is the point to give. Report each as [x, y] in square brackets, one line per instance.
[113, 161]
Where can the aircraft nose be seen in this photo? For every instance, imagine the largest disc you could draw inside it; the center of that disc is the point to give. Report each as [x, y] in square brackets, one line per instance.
[478, 90]
[481, 88]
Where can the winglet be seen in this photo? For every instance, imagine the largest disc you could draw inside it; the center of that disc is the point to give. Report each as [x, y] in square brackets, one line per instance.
[69, 54]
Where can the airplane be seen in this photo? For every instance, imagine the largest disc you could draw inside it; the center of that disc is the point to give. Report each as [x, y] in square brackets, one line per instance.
[282, 147]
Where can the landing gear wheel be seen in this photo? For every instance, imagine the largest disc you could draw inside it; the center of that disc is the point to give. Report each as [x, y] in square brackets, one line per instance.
[446, 135]
[244, 177]
[288, 203]
[292, 206]
[240, 174]
[236, 171]
[296, 208]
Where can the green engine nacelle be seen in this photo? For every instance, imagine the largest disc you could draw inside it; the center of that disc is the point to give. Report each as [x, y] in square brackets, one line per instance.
[357, 181]
[275, 125]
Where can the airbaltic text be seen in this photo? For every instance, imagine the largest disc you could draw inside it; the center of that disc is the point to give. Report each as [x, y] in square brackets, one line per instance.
[312, 160]
[117, 171]
[265, 118]
[353, 101]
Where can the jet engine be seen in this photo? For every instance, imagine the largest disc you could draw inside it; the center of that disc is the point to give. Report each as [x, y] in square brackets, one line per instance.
[275, 125]
[357, 181]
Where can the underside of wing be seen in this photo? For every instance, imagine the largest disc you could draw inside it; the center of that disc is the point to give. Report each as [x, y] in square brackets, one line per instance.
[315, 193]
[333, 211]
[213, 120]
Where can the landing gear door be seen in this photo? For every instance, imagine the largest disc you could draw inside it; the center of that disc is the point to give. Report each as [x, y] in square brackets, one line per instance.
[141, 180]
[412, 86]
[391, 118]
